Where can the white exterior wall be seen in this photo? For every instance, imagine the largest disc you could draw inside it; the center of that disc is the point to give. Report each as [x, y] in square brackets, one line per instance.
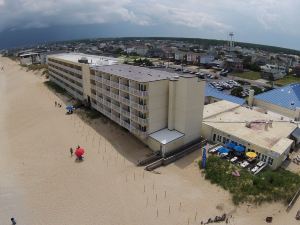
[158, 105]
[208, 132]
[275, 108]
[189, 104]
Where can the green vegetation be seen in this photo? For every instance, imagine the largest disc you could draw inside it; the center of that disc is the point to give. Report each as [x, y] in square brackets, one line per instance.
[237, 92]
[144, 62]
[257, 90]
[287, 80]
[53, 86]
[267, 186]
[250, 75]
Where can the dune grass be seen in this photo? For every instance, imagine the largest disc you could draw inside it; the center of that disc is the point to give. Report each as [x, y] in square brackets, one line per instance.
[287, 80]
[267, 186]
[250, 75]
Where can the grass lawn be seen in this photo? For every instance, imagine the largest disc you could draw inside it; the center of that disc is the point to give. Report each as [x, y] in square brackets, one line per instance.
[250, 75]
[287, 80]
[267, 186]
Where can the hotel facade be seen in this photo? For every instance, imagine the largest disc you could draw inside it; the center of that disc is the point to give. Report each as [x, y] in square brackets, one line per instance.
[164, 110]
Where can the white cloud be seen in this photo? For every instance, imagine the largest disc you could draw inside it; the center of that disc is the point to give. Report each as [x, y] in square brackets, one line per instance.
[218, 16]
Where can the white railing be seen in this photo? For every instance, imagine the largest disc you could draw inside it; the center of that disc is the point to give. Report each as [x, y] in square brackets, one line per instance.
[99, 99]
[124, 100]
[138, 92]
[114, 84]
[138, 106]
[139, 119]
[106, 81]
[107, 103]
[124, 87]
[98, 79]
[125, 124]
[115, 107]
[115, 118]
[125, 113]
[114, 96]
[107, 93]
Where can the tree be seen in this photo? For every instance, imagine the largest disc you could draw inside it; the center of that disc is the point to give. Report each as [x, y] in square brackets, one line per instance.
[237, 92]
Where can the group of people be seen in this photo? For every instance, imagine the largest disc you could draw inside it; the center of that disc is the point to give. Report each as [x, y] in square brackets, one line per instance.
[57, 104]
[72, 151]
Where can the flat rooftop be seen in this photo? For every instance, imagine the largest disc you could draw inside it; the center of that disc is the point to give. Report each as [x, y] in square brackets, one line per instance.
[166, 136]
[139, 74]
[233, 118]
[93, 60]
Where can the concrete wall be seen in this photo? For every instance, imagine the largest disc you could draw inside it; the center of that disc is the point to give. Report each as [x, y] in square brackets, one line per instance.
[275, 108]
[189, 104]
[158, 105]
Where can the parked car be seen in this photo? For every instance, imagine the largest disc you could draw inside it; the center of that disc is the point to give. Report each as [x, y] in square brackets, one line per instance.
[214, 150]
[244, 164]
[234, 159]
[254, 169]
[260, 163]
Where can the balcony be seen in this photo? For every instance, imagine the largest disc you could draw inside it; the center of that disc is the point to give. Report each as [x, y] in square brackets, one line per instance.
[115, 107]
[139, 120]
[125, 124]
[106, 92]
[98, 79]
[124, 87]
[125, 113]
[114, 84]
[106, 81]
[114, 96]
[99, 99]
[106, 113]
[115, 118]
[107, 103]
[138, 92]
[124, 100]
[139, 107]
[138, 132]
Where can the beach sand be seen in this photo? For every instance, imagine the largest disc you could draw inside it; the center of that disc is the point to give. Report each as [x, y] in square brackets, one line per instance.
[40, 183]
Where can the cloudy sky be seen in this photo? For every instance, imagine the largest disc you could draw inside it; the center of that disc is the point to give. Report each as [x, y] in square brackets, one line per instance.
[273, 22]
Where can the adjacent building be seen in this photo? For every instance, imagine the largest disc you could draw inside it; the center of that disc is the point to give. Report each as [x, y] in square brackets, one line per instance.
[164, 110]
[269, 135]
[284, 100]
[30, 58]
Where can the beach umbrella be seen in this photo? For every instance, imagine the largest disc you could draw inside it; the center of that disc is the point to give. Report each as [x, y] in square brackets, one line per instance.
[79, 152]
[239, 148]
[223, 150]
[230, 145]
[251, 154]
[70, 108]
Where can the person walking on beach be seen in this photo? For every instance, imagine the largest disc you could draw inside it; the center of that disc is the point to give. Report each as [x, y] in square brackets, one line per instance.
[55, 103]
[2, 68]
[13, 221]
[71, 151]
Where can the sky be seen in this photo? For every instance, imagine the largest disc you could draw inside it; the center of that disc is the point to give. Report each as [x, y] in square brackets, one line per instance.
[271, 22]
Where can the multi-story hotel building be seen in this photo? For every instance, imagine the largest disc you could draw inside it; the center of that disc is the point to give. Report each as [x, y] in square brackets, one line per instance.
[164, 110]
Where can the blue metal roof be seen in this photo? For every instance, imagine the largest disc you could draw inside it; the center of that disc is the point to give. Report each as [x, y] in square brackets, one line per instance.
[286, 97]
[209, 91]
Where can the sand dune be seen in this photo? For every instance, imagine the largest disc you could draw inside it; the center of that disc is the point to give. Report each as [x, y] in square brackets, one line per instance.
[40, 183]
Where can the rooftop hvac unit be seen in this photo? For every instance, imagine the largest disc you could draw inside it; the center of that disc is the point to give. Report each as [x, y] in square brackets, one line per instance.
[83, 60]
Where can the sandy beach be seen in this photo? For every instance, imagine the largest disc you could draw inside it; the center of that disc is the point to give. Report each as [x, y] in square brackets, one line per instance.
[40, 183]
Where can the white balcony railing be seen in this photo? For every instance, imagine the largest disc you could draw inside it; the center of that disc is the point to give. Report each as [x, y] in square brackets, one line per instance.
[115, 107]
[114, 96]
[107, 93]
[99, 99]
[107, 103]
[125, 124]
[124, 100]
[98, 79]
[138, 92]
[114, 84]
[105, 81]
[125, 113]
[124, 87]
[115, 118]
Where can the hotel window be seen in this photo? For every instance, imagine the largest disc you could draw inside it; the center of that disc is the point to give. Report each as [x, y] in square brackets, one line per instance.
[270, 161]
[224, 140]
[214, 137]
